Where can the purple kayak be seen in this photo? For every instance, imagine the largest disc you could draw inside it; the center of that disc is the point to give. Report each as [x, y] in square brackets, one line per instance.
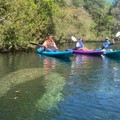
[89, 52]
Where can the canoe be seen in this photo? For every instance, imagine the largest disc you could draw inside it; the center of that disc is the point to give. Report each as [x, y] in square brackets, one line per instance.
[57, 54]
[115, 54]
[89, 52]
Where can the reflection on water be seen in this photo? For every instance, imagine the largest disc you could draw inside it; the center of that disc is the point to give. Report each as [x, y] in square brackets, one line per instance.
[54, 64]
[48, 63]
[85, 71]
[83, 59]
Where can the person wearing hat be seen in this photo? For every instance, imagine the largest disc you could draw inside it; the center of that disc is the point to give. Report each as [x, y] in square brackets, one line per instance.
[80, 45]
[106, 44]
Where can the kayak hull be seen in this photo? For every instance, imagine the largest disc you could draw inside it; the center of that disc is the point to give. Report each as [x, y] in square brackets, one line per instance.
[57, 54]
[115, 54]
[89, 52]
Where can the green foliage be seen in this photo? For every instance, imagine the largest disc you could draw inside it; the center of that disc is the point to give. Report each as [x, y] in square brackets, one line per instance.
[78, 3]
[60, 2]
[77, 22]
[21, 21]
[45, 12]
[99, 9]
[115, 9]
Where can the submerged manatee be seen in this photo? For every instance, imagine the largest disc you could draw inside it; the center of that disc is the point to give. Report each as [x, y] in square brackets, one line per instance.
[18, 77]
[39, 92]
[54, 84]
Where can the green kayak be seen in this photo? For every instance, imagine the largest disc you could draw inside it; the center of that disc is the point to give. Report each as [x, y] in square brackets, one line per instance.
[115, 54]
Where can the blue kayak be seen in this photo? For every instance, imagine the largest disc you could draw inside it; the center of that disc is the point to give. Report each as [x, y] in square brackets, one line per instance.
[57, 54]
[115, 54]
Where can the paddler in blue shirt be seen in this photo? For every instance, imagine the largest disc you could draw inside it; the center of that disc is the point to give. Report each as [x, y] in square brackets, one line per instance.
[107, 43]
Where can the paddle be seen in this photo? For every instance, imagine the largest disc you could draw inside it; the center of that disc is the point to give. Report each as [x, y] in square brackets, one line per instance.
[73, 39]
[44, 48]
[117, 34]
[36, 44]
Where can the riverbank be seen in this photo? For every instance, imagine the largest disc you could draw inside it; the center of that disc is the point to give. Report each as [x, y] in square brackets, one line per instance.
[12, 50]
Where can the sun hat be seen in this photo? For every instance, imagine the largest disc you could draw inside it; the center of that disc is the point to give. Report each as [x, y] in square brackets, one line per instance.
[107, 38]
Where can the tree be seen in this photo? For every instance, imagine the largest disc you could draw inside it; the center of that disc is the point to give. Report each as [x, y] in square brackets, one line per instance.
[115, 9]
[21, 19]
[99, 9]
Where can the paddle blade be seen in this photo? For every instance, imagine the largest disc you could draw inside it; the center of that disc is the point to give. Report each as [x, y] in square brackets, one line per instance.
[73, 39]
[118, 34]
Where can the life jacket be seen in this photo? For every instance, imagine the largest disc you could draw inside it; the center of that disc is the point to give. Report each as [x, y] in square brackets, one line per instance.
[49, 43]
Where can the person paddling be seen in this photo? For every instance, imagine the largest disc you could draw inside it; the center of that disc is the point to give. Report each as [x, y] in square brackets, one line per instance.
[49, 44]
[80, 45]
[106, 44]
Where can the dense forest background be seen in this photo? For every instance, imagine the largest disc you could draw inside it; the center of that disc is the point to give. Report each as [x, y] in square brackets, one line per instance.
[21, 21]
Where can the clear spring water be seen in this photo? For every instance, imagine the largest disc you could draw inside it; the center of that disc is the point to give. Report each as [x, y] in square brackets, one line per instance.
[35, 87]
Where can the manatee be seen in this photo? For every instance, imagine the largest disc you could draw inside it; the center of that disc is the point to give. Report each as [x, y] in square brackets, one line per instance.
[18, 77]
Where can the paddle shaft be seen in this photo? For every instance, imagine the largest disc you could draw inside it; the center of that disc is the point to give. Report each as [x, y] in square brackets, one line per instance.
[36, 44]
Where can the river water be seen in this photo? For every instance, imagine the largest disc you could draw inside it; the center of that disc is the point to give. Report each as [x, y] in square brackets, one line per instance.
[35, 87]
